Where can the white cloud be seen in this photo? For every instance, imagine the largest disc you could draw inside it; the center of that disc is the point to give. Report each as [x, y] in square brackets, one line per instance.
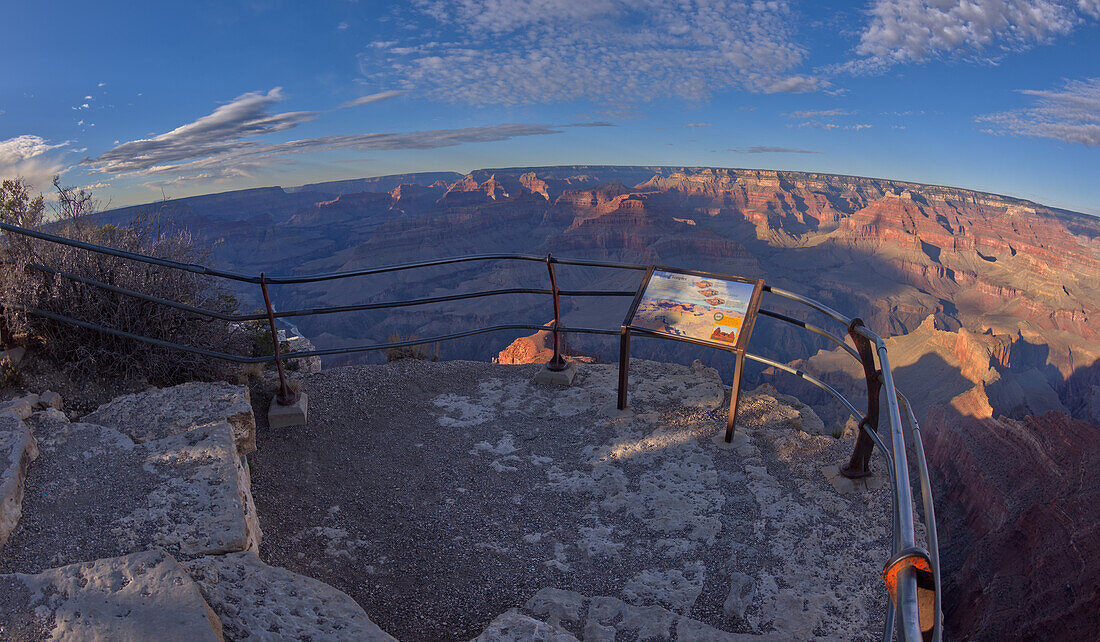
[343, 26]
[218, 133]
[222, 145]
[611, 51]
[819, 113]
[760, 149]
[907, 31]
[102, 84]
[1070, 114]
[372, 98]
[31, 157]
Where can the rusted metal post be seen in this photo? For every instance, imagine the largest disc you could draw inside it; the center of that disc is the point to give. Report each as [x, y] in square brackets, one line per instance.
[557, 362]
[286, 396]
[624, 365]
[860, 463]
[735, 394]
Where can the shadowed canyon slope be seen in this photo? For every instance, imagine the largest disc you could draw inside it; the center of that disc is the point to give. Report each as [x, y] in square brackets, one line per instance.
[992, 302]
[1023, 280]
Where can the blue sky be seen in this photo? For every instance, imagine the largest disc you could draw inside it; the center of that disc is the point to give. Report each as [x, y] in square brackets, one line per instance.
[136, 100]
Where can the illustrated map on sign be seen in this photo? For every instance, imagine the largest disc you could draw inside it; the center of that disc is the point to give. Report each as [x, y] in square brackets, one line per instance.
[701, 308]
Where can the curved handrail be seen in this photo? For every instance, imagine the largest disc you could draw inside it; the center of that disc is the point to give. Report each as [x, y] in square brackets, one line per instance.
[894, 453]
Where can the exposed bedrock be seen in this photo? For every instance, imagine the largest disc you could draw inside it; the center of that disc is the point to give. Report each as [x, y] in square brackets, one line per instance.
[1018, 504]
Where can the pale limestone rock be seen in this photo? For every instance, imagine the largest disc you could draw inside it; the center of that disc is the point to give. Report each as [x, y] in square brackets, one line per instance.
[95, 493]
[253, 599]
[135, 598]
[21, 407]
[600, 619]
[158, 413]
[514, 626]
[17, 450]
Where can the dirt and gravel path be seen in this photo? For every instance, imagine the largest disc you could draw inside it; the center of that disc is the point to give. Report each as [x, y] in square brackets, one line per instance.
[439, 495]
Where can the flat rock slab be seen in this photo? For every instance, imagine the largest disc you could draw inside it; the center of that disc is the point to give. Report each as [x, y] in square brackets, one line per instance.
[135, 598]
[441, 495]
[155, 414]
[17, 450]
[514, 626]
[606, 619]
[253, 599]
[94, 493]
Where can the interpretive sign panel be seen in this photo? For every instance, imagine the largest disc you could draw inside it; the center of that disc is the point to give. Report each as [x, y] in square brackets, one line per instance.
[707, 309]
[698, 307]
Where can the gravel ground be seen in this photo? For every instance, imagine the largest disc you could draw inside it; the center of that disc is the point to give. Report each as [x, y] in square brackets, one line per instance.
[440, 495]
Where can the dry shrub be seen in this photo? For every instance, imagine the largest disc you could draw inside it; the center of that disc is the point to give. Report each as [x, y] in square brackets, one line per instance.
[24, 284]
[9, 374]
[422, 351]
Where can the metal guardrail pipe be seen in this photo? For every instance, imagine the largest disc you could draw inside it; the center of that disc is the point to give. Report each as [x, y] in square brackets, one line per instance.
[820, 307]
[812, 328]
[929, 517]
[908, 615]
[122, 254]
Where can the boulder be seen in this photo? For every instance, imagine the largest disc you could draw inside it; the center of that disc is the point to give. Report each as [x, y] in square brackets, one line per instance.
[95, 493]
[50, 399]
[254, 599]
[17, 450]
[137, 597]
[161, 412]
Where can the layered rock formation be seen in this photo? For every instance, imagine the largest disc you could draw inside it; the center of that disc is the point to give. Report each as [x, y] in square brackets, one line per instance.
[890, 251]
[539, 348]
[1018, 504]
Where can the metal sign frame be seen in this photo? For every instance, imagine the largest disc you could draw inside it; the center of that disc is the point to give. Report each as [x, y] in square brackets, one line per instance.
[737, 349]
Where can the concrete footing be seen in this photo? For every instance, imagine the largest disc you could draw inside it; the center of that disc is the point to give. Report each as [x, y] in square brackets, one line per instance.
[844, 485]
[557, 377]
[295, 414]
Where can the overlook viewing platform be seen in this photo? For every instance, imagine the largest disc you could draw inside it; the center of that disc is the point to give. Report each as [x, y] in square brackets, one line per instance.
[439, 495]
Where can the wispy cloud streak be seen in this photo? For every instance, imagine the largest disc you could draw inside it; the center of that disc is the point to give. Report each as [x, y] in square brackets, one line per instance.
[1070, 114]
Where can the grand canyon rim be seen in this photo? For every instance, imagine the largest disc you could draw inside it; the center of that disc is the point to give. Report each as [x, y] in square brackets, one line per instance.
[229, 408]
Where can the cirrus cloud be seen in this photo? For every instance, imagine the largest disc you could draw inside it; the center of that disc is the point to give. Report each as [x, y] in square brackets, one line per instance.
[1070, 114]
[224, 144]
[610, 51]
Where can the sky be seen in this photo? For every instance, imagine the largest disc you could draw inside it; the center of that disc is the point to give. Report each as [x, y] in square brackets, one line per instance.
[143, 101]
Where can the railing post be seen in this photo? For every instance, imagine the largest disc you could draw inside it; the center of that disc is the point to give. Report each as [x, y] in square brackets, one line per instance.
[557, 362]
[286, 396]
[860, 463]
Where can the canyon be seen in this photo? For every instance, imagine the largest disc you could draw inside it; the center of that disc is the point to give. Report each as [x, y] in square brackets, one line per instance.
[990, 301]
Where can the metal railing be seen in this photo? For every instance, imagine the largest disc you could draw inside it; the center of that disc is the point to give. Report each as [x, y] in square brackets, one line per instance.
[912, 575]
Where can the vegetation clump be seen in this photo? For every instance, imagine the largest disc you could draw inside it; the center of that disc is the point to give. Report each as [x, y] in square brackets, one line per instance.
[40, 278]
[424, 352]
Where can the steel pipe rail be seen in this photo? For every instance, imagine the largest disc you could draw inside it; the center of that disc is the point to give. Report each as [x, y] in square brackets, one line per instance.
[904, 614]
